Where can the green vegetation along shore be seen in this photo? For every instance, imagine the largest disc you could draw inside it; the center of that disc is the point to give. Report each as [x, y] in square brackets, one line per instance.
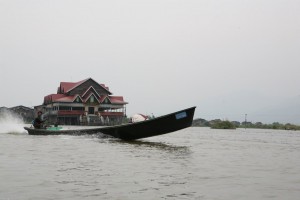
[220, 124]
[223, 125]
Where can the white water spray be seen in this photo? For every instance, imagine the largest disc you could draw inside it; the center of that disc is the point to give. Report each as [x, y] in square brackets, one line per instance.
[11, 123]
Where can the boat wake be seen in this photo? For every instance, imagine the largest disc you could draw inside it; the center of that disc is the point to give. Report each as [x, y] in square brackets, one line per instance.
[11, 123]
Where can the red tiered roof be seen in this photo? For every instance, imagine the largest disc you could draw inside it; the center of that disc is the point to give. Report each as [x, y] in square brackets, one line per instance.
[65, 98]
[68, 86]
[116, 99]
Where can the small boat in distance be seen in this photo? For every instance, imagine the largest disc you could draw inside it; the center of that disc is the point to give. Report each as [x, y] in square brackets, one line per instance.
[132, 131]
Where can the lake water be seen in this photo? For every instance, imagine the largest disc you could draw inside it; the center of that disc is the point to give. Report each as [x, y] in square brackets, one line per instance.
[195, 163]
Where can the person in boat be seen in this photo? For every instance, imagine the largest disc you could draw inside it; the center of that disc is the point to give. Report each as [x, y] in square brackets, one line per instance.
[38, 123]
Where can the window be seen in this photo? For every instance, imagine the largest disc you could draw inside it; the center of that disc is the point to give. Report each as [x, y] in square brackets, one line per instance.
[64, 108]
[91, 110]
[92, 99]
[77, 108]
[106, 101]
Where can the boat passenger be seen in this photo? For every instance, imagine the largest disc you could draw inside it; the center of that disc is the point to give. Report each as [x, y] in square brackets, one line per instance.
[38, 122]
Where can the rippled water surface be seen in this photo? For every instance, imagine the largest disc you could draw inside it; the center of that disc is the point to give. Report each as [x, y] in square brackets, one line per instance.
[195, 163]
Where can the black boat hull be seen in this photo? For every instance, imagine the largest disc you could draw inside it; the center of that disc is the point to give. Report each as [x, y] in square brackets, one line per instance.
[153, 127]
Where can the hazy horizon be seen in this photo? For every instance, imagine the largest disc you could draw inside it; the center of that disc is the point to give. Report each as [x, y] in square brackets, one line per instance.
[227, 58]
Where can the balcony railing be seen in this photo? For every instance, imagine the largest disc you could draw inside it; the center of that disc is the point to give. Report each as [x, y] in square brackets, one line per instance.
[104, 114]
[70, 112]
[80, 112]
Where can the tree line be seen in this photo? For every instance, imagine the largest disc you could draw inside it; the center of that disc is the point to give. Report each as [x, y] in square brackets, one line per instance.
[226, 124]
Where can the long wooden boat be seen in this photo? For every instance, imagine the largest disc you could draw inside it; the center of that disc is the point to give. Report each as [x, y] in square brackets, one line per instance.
[132, 131]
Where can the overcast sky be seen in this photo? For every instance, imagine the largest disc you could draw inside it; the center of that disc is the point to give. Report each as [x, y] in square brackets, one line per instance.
[161, 55]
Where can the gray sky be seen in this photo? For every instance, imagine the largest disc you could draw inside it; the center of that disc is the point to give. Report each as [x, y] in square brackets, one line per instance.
[161, 55]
